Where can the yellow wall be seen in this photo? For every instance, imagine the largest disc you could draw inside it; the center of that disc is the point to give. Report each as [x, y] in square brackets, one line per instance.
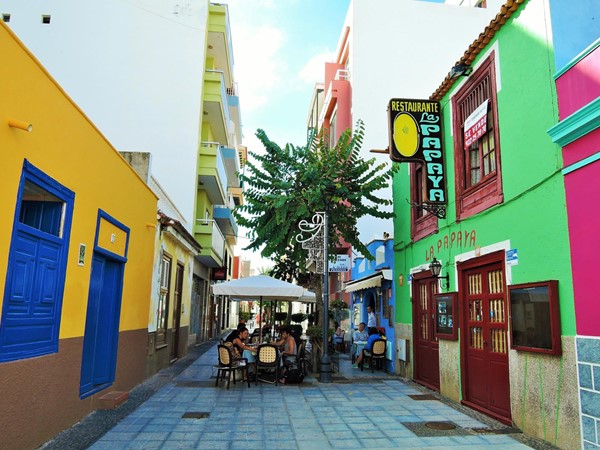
[66, 146]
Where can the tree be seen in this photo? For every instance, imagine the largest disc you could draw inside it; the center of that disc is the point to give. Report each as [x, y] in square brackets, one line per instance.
[290, 184]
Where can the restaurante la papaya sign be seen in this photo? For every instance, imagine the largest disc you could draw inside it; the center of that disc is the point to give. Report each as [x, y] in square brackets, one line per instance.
[416, 136]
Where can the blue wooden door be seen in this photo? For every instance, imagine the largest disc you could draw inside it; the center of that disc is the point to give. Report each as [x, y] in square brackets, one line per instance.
[101, 337]
[32, 300]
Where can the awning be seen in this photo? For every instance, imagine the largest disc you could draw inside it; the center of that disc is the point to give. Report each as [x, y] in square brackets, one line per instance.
[370, 281]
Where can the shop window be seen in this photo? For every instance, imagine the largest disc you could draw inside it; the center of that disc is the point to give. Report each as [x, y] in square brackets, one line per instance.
[535, 320]
[163, 301]
[423, 223]
[477, 156]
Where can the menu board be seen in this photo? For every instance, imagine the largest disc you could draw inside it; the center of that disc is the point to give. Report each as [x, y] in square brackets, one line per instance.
[446, 316]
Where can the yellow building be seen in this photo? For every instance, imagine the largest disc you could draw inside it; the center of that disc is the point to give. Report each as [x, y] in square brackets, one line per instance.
[76, 255]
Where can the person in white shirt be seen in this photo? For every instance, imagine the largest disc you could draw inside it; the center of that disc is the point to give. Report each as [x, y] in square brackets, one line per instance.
[361, 334]
[372, 321]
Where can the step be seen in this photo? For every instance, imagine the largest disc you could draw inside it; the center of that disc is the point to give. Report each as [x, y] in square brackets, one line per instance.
[112, 399]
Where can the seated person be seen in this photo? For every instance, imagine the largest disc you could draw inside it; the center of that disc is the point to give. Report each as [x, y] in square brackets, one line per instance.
[289, 350]
[338, 335]
[235, 333]
[361, 333]
[237, 342]
[373, 336]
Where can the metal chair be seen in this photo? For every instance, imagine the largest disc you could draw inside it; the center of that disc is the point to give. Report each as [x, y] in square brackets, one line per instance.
[301, 360]
[267, 357]
[227, 365]
[376, 354]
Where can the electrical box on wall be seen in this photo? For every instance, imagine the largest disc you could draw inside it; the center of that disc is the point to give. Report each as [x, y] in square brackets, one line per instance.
[401, 348]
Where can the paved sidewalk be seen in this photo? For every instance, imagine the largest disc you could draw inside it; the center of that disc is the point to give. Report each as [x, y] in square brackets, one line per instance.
[357, 410]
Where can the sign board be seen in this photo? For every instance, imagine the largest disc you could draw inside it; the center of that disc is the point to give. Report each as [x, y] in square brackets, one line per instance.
[415, 135]
[476, 124]
[446, 316]
[512, 257]
[341, 264]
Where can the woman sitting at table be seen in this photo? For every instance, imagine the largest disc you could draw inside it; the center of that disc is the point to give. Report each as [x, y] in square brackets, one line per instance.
[289, 349]
[238, 343]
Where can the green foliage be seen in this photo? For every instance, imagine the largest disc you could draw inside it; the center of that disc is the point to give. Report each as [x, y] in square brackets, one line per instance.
[280, 316]
[290, 184]
[298, 317]
[314, 332]
[243, 315]
[338, 305]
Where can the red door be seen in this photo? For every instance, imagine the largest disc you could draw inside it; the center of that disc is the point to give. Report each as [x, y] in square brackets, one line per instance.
[484, 343]
[427, 363]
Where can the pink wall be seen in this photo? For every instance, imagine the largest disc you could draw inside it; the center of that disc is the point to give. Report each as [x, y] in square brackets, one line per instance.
[579, 85]
[576, 88]
[584, 231]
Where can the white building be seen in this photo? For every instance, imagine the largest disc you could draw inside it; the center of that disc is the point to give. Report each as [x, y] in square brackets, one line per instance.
[384, 46]
[135, 68]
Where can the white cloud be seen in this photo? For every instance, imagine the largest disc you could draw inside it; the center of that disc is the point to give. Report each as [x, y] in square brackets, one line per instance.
[259, 63]
[314, 70]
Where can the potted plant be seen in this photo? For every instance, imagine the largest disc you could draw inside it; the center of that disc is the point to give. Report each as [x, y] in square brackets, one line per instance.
[245, 316]
[299, 317]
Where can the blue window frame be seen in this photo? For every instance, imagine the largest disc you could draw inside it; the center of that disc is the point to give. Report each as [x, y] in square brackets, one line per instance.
[37, 261]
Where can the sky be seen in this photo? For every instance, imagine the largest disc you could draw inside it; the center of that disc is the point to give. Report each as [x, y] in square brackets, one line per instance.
[280, 48]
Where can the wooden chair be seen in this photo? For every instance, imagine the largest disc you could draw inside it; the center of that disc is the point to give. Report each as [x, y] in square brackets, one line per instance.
[376, 354]
[227, 365]
[267, 357]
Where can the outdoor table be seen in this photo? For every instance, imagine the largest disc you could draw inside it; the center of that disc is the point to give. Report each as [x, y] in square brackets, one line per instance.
[357, 347]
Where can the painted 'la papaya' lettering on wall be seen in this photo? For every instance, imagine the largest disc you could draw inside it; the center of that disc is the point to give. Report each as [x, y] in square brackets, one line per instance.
[456, 239]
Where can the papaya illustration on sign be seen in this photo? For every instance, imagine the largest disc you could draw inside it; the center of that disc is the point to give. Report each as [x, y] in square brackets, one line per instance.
[415, 129]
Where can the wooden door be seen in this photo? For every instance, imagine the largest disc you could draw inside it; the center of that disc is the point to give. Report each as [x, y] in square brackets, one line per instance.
[485, 343]
[426, 346]
[177, 312]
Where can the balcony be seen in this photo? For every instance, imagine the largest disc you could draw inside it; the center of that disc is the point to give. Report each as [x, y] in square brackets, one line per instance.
[212, 175]
[219, 47]
[215, 105]
[338, 90]
[210, 237]
[226, 221]
[233, 100]
[232, 166]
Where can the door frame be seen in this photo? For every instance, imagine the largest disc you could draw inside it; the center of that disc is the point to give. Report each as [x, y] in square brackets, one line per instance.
[461, 267]
[421, 277]
[122, 260]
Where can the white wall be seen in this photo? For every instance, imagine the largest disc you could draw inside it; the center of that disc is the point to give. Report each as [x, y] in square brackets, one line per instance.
[402, 49]
[135, 67]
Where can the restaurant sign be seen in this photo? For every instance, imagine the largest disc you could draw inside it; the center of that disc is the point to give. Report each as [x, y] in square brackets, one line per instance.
[415, 135]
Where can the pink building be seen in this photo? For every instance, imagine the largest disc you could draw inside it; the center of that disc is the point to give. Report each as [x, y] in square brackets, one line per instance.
[578, 132]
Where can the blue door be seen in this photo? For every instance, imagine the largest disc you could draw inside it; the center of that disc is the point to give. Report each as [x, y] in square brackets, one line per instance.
[101, 337]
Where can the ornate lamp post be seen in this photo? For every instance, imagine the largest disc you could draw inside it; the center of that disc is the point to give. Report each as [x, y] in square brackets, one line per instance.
[317, 244]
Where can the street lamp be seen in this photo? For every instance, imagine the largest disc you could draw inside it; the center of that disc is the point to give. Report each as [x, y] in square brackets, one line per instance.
[436, 269]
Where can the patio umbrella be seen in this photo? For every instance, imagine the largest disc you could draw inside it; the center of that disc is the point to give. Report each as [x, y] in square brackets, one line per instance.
[259, 287]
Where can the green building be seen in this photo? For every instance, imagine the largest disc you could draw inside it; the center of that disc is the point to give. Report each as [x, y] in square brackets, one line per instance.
[495, 329]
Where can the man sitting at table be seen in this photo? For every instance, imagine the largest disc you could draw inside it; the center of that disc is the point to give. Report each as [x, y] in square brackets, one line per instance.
[373, 336]
[361, 334]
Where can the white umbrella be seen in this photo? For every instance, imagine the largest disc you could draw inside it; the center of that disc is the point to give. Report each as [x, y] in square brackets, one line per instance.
[259, 287]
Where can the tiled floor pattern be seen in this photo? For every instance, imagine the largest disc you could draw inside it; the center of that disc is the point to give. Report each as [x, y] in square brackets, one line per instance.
[364, 414]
